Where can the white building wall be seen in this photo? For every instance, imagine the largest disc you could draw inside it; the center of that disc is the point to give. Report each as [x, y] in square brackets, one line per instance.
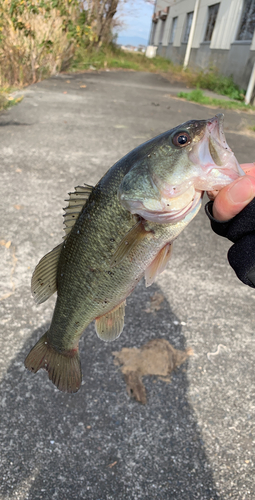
[157, 32]
[168, 25]
[225, 29]
[227, 24]
[180, 10]
[162, 4]
[230, 56]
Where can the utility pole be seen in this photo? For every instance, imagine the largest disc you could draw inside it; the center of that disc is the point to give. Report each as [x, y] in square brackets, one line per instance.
[191, 35]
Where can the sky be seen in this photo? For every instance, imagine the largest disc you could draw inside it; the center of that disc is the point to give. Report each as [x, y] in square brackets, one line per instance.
[136, 16]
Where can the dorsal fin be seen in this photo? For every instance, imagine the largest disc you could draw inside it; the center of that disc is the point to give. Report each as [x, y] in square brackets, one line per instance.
[76, 201]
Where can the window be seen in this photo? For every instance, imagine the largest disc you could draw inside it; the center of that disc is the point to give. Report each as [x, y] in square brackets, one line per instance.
[162, 29]
[173, 30]
[247, 25]
[154, 25]
[188, 26]
[212, 16]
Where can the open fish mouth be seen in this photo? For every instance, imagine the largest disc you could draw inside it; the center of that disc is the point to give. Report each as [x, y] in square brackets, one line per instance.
[196, 158]
[217, 163]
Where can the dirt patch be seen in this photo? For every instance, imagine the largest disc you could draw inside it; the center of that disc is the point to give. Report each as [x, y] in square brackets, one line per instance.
[157, 357]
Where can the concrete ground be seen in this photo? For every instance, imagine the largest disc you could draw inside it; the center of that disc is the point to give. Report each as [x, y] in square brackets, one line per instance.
[195, 437]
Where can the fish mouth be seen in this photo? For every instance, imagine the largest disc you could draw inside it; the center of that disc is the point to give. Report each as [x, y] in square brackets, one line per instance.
[217, 163]
[210, 165]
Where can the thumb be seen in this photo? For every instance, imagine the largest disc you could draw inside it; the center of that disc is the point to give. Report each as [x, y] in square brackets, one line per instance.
[233, 198]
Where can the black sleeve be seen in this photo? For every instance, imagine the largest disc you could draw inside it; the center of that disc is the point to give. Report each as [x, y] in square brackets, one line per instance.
[240, 230]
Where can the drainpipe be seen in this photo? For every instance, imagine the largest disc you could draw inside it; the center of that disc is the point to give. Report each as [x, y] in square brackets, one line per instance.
[191, 35]
[250, 88]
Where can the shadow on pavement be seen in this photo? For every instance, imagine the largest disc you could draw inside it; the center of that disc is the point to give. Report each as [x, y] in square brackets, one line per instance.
[98, 444]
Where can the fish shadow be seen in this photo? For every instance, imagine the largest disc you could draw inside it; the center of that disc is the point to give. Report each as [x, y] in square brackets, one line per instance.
[99, 443]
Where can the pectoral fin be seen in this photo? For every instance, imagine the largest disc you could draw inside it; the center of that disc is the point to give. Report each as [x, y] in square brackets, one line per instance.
[110, 326]
[158, 265]
[129, 242]
[44, 279]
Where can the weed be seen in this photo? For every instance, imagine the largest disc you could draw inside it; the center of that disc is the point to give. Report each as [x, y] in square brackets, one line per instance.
[212, 80]
[6, 100]
[197, 95]
[38, 38]
[112, 56]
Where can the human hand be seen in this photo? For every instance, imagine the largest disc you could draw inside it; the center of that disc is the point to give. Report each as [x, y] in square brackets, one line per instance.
[232, 215]
[231, 199]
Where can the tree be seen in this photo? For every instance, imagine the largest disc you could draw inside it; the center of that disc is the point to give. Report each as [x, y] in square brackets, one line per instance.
[100, 17]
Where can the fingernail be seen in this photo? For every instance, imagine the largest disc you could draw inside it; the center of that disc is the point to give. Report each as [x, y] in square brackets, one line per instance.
[242, 191]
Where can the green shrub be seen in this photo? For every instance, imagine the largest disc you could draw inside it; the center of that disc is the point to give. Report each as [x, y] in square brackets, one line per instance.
[197, 95]
[216, 82]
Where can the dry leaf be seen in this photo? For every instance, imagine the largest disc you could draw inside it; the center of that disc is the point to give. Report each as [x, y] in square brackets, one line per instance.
[5, 244]
[157, 357]
[83, 86]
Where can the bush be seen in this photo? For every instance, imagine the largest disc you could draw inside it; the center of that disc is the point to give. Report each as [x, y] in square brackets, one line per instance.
[38, 38]
[212, 80]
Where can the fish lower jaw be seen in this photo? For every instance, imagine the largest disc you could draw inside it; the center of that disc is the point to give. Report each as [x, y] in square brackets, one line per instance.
[216, 179]
[169, 216]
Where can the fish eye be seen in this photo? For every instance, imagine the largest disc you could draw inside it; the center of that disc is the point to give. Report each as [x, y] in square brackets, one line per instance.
[181, 139]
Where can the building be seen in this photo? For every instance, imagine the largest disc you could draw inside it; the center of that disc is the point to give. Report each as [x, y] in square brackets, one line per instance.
[224, 34]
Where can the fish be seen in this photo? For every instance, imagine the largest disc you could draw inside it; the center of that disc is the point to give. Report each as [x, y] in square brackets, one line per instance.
[119, 231]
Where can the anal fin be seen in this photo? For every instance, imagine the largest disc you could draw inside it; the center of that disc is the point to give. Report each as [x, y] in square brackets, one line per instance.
[44, 279]
[110, 326]
[64, 368]
[158, 265]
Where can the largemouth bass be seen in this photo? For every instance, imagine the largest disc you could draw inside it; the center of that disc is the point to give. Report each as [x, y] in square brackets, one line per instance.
[119, 231]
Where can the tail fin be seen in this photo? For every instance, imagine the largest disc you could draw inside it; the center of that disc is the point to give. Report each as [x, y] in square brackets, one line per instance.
[64, 369]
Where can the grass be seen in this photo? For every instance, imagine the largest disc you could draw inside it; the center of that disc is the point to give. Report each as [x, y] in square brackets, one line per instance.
[198, 96]
[113, 57]
[212, 80]
[6, 100]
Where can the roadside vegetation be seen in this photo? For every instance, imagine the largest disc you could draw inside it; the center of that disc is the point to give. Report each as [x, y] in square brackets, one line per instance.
[39, 38]
[112, 56]
[198, 96]
[6, 99]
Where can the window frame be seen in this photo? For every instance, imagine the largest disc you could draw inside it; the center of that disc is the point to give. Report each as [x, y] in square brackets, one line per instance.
[243, 19]
[188, 25]
[173, 29]
[208, 22]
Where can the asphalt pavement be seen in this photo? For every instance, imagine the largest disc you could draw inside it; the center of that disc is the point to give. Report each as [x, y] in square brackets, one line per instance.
[195, 437]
